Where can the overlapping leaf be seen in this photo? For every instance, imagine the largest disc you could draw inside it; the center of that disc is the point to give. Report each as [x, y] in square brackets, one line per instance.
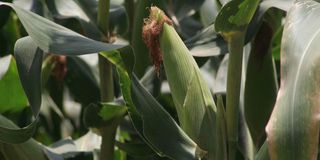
[261, 85]
[49, 37]
[207, 43]
[53, 38]
[27, 150]
[263, 8]
[145, 112]
[152, 115]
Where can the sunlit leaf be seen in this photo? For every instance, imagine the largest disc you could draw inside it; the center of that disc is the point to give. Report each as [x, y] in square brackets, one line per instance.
[293, 129]
[12, 96]
[111, 110]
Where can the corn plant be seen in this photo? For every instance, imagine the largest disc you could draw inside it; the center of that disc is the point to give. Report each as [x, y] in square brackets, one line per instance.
[147, 79]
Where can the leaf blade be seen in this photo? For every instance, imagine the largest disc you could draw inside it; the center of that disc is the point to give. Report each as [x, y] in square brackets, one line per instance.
[297, 107]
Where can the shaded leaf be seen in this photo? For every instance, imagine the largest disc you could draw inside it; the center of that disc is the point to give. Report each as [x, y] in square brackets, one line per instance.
[29, 61]
[4, 14]
[261, 85]
[80, 74]
[53, 38]
[174, 142]
[71, 9]
[141, 51]
[136, 149]
[145, 119]
[29, 68]
[263, 153]
[50, 37]
[264, 6]
[69, 148]
[207, 43]
[30, 149]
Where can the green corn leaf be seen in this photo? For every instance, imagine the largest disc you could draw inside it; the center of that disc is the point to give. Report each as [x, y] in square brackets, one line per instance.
[192, 98]
[12, 96]
[265, 6]
[4, 14]
[111, 110]
[29, 61]
[134, 149]
[222, 136]
[173, 143]
[28, 150]
[261, 85]
[49, 37]
[139, 47]
[29, 71]
[263, 153]
[71, 9]
[207, 43]
[235, 16]
[293, 129]
[146, 113]
[79, 74]
[53, 38]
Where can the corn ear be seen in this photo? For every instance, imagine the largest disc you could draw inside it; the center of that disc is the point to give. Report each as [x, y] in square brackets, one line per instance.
[191, 95]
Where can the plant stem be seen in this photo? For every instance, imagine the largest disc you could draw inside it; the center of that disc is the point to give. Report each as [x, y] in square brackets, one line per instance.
[103, 16]
[106, 79]
[108, 130]
[233, 91]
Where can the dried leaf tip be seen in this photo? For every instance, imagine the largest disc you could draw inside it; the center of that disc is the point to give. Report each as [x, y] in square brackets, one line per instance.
[151, 31]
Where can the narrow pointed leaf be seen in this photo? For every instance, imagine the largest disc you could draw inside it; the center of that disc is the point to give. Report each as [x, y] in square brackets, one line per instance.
[54, 38]
[30, 149]
[261, 85]
[263, 153]
[173, 142]
[29, 61]
[71, 9]
[207, 43]
[49, 37]
[144, 112]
